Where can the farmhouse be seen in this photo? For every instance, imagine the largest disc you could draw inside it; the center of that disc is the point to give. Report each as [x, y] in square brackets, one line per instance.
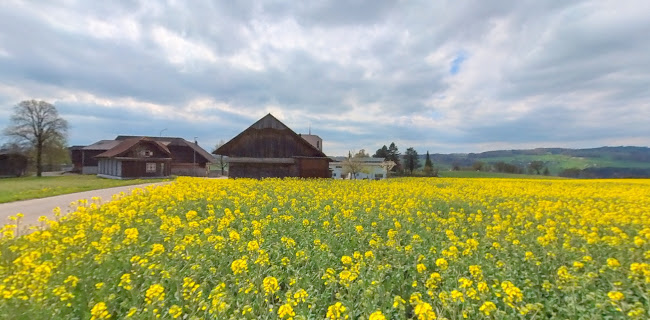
[188, 158]
[367, 168]
[135, 158]
[268, 148]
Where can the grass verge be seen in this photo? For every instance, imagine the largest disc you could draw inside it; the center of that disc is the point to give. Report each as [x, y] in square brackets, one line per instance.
[14, 189]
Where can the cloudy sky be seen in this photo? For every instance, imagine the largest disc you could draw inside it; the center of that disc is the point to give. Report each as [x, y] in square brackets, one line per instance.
[443, 76]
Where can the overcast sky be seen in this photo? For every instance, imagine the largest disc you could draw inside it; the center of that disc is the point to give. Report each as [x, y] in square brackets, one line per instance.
[443, 76]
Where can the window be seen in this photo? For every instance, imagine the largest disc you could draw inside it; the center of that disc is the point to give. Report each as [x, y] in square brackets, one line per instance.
[147, 153]
[151, 167]
[334, 175]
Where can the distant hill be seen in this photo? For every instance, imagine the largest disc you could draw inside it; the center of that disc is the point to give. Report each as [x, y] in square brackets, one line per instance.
[603, 162]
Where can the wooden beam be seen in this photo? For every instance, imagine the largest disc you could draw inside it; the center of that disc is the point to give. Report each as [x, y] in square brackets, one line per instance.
[260, 160]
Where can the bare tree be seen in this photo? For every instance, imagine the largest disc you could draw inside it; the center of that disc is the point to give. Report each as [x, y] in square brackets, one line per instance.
[353, 164]
[221, 160]
[36, 123]
[387, 165]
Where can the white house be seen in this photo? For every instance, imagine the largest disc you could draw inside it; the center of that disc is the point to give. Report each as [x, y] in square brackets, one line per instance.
[370, 168]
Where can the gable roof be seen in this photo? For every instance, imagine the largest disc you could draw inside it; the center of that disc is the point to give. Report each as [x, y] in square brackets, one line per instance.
[125, 145]
[268, 122]
[174, 142]
[102, 145]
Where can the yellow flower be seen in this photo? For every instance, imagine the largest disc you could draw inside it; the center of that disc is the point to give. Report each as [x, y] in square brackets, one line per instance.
[175, 311]
[416, 298]
[465, 283]
[513, 293]
[377, 315]
[457, 296]
[132, 311]
[613, 263]
[156, 249]
[300, 295]
[421, 268]
[442, 263]
[286, 310]
[398, 302]
[239, 266]
[487, 308]
[270, 285]
[154, 294]
[615, 295]
[424, 311]
[125, 281]
[253, 245]
[72, 280]
[529, 256]
[131, 236]
[337, 311]
[346, 260]
[234, 236]
[476, 272]
[99, 311]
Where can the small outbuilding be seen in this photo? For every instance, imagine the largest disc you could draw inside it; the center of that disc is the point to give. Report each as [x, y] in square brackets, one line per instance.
[12, 164]
[268, 148]
[135, 158]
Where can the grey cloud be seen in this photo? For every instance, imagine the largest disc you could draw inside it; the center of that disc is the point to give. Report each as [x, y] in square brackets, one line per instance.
[562, 55]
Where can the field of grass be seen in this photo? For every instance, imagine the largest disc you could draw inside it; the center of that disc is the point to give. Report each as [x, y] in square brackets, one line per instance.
[483, 174]
[406, 248]
[13, 189]
[558, 162]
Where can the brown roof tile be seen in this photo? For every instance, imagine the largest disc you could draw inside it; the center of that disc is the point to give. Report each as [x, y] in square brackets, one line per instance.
[127, 144]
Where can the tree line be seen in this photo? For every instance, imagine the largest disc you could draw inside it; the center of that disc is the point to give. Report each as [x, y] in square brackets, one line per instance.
[407, 163]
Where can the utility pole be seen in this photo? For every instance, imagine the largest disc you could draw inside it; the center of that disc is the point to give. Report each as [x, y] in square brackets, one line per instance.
[161, 131]
[194, 159]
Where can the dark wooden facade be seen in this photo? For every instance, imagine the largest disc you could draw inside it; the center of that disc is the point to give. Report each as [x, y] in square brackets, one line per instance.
[12, 164]
[188, 158]
[135, 158]
[84, 157]
[269, 148]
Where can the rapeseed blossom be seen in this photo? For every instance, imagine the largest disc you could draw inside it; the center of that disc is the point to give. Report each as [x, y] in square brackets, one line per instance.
[301, 249]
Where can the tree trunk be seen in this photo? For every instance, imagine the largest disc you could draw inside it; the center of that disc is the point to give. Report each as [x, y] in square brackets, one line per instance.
[39, 159]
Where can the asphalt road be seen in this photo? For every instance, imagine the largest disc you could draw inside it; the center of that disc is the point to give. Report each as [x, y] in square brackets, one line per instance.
[34, 208]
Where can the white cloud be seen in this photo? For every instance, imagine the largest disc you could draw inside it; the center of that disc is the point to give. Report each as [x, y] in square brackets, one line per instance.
[180, 50]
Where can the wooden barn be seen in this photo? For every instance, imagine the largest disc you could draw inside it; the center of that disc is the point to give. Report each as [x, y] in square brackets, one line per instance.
[269, 148]
[135, 158]
[12, 164]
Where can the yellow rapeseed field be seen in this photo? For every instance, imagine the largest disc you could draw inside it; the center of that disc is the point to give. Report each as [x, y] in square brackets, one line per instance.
[315, 249]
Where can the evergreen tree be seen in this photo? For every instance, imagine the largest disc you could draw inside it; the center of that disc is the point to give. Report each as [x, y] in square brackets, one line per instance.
[382, 153]
[411, 160]
[394, 155]
[428, 165]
